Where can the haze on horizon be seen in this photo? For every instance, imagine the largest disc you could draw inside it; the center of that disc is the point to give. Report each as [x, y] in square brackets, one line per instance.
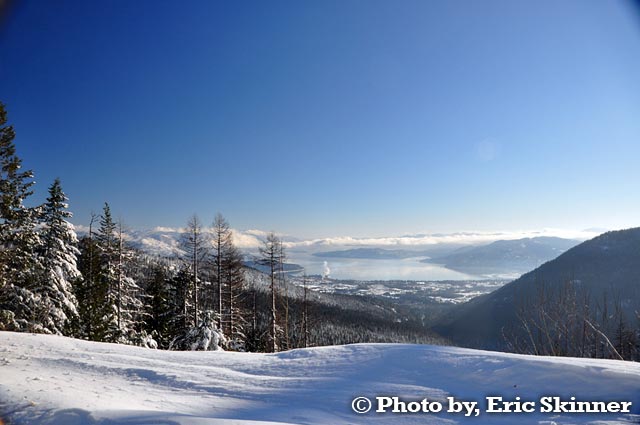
[340, 118]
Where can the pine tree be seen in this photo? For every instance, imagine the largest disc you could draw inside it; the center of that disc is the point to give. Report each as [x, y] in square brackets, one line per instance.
[92, 291]
[203, 337]
[129, 306]
[160, 308]
[107, 244]
[180, 294]
[19, 266]
[59, 260]
[113, 292]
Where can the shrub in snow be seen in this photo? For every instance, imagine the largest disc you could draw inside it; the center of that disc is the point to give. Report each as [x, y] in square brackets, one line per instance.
[140, 339]
[147, 341]
[8, 321]
[204, 337]
[18, 310]
[236, 344]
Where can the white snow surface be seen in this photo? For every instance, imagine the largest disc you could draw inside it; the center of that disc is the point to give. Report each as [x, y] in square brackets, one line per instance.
[57, 380]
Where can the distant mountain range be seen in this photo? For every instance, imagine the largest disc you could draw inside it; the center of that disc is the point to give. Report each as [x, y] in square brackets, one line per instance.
[505, 256]
[372, 254]
[500, 258]
[606, 267]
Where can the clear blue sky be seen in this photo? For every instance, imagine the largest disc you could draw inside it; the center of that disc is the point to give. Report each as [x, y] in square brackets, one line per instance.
[332, 117]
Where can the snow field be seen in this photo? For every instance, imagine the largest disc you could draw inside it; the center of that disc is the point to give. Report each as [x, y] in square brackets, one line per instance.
[58, 380]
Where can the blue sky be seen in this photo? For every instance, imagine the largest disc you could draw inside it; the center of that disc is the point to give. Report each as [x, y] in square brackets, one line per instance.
[365, 118]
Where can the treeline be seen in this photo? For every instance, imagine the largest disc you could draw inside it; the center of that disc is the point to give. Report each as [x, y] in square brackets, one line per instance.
[201, 299]
[99, 288]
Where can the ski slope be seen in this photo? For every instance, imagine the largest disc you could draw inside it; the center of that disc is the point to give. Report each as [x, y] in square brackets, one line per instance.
[57, 380]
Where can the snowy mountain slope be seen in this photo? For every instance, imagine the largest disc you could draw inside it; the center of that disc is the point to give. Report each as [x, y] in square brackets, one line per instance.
[166, 241]
[58, 380]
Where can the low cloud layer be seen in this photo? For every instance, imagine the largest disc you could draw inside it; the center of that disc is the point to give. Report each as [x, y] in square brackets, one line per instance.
[166, 240]
[462, 238]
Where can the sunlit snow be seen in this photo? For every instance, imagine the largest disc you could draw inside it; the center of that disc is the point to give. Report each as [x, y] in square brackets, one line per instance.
[58, 380]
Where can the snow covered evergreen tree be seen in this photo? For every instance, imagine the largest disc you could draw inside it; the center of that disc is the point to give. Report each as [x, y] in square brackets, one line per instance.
[58, 256]
[129, 306]
[160, 310]
[114, 296]
[19, 266]
[180, 296]
[107, 276]
[91, 292]
[204, 337]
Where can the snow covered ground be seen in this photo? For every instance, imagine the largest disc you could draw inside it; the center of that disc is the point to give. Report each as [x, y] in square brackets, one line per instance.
[58, 380]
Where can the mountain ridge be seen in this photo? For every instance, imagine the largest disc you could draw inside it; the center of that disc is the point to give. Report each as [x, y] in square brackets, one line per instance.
[514, 256]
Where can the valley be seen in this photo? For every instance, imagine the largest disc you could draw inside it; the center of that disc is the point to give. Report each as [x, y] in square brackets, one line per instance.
[404, 291]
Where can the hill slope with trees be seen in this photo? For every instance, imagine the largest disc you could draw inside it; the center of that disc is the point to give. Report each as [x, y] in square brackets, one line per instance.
[583, 303]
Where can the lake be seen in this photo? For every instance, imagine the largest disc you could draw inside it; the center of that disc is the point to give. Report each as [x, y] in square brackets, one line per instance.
[368, 269]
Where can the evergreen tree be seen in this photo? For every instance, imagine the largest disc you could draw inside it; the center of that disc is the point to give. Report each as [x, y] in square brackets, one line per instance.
[107, 243]
[204, 337]
[116, 310]
[160, 308]
[107, 278]
[129, 306]
[19, 266]
[92, 291]
[59, 261]
[180, 294]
